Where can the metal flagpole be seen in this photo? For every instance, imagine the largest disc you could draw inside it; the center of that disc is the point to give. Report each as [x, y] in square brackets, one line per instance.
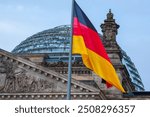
[70, 58]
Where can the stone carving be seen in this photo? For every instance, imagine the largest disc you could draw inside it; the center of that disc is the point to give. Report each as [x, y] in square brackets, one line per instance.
[109, 28]
[16, 80]
[64, 64]
[109, 44]
[109, 35]
[110, 15]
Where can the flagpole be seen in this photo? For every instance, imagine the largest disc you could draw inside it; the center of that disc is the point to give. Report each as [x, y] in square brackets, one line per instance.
[70, 58]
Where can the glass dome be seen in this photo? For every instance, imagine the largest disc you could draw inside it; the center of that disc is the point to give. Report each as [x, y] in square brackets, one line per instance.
[55, 40]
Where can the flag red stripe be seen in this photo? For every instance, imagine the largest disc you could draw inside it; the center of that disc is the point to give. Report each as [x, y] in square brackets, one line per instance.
[90, 37]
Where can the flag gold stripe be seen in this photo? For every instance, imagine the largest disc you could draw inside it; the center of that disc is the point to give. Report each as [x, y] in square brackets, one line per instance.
[95, 62]
[78, 46]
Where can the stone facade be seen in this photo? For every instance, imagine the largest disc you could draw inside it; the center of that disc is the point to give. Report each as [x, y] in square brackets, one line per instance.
[23, 79]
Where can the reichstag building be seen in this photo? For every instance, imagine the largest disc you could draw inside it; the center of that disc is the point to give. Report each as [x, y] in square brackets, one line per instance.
[37, 68]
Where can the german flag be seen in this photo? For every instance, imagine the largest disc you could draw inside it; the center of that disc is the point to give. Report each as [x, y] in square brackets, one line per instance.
[87, 42]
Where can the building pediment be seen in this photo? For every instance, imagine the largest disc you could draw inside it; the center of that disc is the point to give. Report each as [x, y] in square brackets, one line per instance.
[23, 79]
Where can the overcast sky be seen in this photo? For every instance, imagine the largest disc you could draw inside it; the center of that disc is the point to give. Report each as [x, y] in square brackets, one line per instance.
[20, 19]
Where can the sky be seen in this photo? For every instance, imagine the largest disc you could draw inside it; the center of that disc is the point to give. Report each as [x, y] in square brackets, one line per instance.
[20, 19]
